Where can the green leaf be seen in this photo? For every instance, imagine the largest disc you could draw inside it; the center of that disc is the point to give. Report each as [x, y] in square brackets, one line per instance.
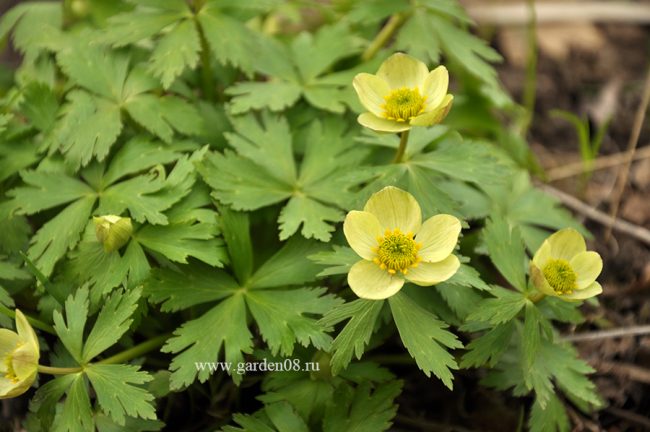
[286, 317]
[289, 266]
[274, 95]
[501, 309]
[60, 234]
[488, 348]
[284, 418]
[312, 215]
[71, 330]
[194, 345]
[424, 336]
[175, 52]
[506, 250]
[113, 321]
[356, 334]
[46, 190]
[40, 105]
[47, 397]
[362, 410]
[119, 393]
[553, 418]
[339, 260]
[236, 233]
[76, 415]
[200, 285]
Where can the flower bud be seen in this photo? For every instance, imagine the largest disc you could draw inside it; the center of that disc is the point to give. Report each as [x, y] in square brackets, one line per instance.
[113, 231]
[19, 354]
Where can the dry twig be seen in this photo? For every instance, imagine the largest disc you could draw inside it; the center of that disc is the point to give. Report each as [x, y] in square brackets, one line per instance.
[577, 168]
[619, 225]
[613, 333]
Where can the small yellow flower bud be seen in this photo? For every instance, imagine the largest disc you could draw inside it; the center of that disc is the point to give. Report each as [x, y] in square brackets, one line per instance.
[113, 231]
[19, 354]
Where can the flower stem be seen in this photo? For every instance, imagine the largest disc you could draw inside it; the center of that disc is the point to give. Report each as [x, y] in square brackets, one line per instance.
[536, 297]
[402, 147]
[137, 350]
[32, 321]
[394, 22]
[58, 370]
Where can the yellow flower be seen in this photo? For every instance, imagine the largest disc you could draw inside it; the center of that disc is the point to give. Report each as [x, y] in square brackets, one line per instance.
[395, 245]
[403, 94]
[113, 231]
[563, 267]
[18, 358]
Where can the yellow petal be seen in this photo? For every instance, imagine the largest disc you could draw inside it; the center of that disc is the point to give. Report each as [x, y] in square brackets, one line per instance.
[401, 70]
[361, 229]
[540, 282]
[591, 291]
[427, 273]
[542, 255]
[379, 124]
[371, 91]
[25, 363]
[368, 281]
[395, 208]
[587, 266]
[436, 116]
[566, 243]
[9, 388]
[438, 236]
[25, 331]
[8, 342]
[434, 87]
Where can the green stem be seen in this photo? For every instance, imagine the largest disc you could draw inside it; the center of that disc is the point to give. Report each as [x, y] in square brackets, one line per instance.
[58, 370]
[32, 321]
[136, 351]
[536, 297]
[402, 147]
[384, 35]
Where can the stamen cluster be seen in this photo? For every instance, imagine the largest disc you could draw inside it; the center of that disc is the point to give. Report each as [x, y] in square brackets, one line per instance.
[560, 276]
[397, 252]
[403, 104]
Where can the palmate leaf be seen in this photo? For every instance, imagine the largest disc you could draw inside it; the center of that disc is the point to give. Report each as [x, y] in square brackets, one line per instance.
[304, 73]
[264, 172]
[110, 89]
[284, 316]
[506, 249]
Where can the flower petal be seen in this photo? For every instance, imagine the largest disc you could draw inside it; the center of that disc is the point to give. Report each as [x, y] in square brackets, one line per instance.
[438, 236]
[361, 229]
[25, 331]
[427, 273]
[371, 91]
[8, 388]
[8, 342]
[395, 208]
[591, 291]
[566, 243]
[434, 87]
[587, 266]
[436, 116]
[368, 281]
[542, 255]
[540, 282]
[401, 70]
[379, 124]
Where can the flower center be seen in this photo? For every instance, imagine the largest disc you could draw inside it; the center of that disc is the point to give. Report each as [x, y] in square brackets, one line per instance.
[560, 276]
[397, 252]
[403, 104]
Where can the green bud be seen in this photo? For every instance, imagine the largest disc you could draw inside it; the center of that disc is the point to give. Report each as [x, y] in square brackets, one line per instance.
[113, 231]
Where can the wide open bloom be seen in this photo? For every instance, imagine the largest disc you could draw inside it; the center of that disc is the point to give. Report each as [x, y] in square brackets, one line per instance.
[396, 246]
[18, 358]
[562, 267]
[403, 94]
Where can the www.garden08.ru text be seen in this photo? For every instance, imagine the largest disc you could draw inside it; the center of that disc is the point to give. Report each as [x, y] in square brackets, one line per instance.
[287, 365]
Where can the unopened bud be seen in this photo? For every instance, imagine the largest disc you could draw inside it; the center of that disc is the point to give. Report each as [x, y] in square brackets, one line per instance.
[113, 231]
